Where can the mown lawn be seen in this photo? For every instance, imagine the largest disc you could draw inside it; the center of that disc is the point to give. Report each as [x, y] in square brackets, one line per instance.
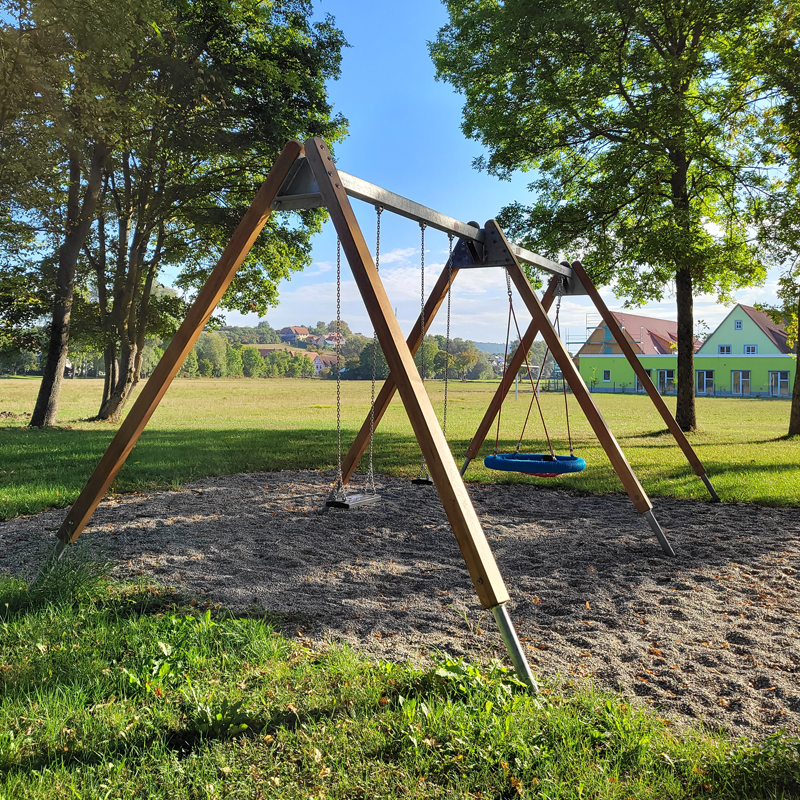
[122, 692]
[216, 427]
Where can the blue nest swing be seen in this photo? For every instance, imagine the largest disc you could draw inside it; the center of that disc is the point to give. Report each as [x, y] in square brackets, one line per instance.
[538, 464]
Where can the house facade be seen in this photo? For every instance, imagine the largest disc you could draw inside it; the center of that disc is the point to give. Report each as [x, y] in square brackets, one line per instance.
[293, 335]
[604, 367]
[746, 355]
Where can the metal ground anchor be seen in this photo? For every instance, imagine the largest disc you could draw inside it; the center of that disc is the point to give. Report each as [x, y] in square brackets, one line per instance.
[712, 491]
[660, 535]
[512, 643]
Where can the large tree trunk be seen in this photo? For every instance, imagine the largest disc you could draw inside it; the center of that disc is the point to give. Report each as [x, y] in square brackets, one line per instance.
[685, 412]
[79, 219]
[794, 414]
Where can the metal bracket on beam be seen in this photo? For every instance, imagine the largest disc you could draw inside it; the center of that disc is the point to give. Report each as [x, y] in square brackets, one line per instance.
[300, 191]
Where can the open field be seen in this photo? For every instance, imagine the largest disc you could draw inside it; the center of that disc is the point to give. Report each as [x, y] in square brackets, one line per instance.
[220, 427]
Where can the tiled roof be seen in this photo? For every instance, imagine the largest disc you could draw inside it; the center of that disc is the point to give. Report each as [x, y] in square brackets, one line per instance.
[653, 335]
[776, 333]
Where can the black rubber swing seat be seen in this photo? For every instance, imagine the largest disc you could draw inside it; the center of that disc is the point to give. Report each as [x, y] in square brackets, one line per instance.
[538, 464]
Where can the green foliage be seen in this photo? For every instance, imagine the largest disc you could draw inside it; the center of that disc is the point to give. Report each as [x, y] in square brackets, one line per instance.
[643, 131]
[252, 363]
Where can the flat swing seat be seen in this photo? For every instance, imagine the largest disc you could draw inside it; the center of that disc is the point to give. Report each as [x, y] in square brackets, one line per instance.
[539, 464]
[353, 501]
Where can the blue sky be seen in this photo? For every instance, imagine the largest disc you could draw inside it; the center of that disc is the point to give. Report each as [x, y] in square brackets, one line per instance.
[405, 135]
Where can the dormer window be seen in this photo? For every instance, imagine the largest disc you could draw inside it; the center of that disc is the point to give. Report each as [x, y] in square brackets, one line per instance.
[737, 324]
[723, 349]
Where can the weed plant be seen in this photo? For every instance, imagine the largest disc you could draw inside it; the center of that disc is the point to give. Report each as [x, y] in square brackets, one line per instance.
[114, 691]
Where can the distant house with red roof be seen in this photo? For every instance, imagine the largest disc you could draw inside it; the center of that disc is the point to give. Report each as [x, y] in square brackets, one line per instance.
[293, 335]
[655, 341]
[746, 355]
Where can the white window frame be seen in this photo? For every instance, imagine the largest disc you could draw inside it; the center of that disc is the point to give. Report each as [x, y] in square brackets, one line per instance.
[737, 324]
[723, 349]
[753, 349]
[781, 381]
[665, 378]
[741, 373]
[706, 381]
[606, 376]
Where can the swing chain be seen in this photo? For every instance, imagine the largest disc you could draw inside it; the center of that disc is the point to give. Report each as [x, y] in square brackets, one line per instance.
[450, 238]
[370, 469]
[423, 468]
[338, 490]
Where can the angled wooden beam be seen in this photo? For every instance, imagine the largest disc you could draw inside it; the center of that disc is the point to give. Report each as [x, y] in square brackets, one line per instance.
[387, 391]
[146, 403]
[658, 401]
[496, 238]
[505, 385]
[477, 554]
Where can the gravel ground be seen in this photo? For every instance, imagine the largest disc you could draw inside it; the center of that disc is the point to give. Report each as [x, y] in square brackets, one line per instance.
[711, 635]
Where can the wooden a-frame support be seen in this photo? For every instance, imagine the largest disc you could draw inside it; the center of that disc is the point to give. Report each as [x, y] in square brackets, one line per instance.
[541, 322]
[475, 550]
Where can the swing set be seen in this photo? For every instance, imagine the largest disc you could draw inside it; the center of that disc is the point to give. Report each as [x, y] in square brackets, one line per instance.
[305, 176]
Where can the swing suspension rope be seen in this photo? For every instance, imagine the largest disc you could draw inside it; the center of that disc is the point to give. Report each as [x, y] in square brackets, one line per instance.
[566, 463]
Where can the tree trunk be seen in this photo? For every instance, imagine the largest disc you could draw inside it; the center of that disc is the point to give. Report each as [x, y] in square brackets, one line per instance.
[79, 218]
[127, 379]
[685, 414]
[794, 414]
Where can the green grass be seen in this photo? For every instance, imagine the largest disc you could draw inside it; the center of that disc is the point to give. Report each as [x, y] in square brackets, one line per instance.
[117, 691]
[217, 427]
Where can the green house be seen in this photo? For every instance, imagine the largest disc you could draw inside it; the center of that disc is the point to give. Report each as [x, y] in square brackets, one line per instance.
[746, 355]
[604, 368]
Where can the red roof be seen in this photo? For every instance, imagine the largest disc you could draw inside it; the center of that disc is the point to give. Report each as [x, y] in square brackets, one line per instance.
[776, 333]
[301, 331]
[653, 335]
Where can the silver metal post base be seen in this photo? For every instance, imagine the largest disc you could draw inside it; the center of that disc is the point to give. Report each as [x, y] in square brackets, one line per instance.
[662, 539]
[712, 491]
[515, 651]
[465, 465]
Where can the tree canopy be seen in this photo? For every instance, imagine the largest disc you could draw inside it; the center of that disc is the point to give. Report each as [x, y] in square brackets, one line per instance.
[641, 126]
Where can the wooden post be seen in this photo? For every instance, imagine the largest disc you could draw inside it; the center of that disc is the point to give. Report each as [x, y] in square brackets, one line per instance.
[386, 393]
[511, 369]
[574, 379]
[146, 403]
[475, 550]
[641, 374]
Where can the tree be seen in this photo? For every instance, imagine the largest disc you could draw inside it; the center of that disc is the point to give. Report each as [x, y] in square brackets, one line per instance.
[234, 366]
[212, 348]
[190, 367]
[343, 328]
[217, 91]
[252, 363]
[70, 51]
[372, 350]
[640, 122]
